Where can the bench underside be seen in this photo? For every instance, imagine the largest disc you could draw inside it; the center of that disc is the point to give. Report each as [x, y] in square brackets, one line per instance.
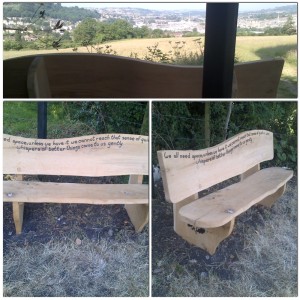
[219, 208]
[50, 192]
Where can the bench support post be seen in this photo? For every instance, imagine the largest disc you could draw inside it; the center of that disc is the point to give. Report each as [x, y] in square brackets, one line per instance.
[207, 239]
[270, 200]
[250, 172]
[138, 213]
[18, 210]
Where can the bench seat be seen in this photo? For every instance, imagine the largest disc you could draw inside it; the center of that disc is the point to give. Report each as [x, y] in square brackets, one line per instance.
[52, 192]
[219, 208]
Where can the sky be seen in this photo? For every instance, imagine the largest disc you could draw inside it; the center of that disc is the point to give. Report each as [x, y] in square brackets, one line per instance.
[175, 5]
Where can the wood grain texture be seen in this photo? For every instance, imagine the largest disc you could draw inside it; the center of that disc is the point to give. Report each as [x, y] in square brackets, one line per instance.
[131, 158]
[208, 239]
[138, 213]
[197, 170]
[219, 208]
[52, 192]
[104, 76]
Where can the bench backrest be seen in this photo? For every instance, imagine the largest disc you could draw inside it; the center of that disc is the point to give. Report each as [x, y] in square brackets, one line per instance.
[187, 172]
[93, 155]
[95, 76]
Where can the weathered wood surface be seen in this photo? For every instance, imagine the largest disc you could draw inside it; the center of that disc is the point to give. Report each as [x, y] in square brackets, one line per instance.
[52, 192]
[221, 207]
[105, 76]
[187, 172]
[94, 155]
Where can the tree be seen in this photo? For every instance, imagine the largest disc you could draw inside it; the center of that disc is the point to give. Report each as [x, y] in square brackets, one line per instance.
[289, 27]
[86, 32]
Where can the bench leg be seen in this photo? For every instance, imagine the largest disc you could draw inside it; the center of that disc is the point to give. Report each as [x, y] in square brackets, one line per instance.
[138, 214]
[207, 239]
[18, 209]
[270, 200]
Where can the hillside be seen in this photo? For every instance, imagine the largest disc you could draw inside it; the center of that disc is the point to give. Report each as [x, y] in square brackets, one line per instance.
[52, 10]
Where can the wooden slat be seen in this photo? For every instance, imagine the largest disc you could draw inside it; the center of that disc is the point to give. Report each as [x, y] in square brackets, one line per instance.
[189, 171]
[219, 208]
[103, 76]
[258, 79]
[85, 159]
[50, 192]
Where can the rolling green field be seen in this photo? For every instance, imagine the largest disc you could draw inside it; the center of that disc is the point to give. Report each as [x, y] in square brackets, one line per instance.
[248, 48]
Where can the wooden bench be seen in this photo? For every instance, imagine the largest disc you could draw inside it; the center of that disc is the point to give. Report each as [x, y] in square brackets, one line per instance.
[94, 155]
[106, 76]
[205, 222]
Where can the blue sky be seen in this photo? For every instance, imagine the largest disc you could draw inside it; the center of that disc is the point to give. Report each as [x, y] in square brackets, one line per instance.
[174, 6]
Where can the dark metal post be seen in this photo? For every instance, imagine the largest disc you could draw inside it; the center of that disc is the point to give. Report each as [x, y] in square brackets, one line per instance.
[219, 51]
[42, 120]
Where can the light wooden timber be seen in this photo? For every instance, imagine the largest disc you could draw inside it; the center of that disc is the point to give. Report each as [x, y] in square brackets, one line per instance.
[95, 155]
[77, 193]
[138, 213]
[185, 176]
[105, 76]
[221, 207]
[85, 159]
[207, 221]
[207, 239]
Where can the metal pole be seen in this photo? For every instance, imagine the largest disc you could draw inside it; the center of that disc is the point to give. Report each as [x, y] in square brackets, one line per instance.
[220, 37]
[42, 120]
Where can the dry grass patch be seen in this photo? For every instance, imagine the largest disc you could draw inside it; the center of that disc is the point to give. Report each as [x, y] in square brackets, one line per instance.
[266, 267]
[78, 268]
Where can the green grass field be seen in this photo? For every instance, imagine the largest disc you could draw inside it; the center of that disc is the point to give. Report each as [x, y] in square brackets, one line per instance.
[248, 48]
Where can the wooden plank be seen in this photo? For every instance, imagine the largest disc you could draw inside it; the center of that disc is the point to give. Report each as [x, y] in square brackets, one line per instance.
[138, 213]
[107, 76]
[94, 155]
[258, 79]
[52, 192]
[18, 211]
[221, 207]
[187, 172]
[102, 76]
[37, 79]
[208, 239]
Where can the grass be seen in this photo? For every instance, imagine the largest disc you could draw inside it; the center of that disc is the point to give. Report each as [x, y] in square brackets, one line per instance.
[67, 268]
[20, 118]
[267, 267]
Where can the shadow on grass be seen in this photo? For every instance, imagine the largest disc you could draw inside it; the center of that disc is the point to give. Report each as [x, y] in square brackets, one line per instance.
[277, 51]
[288, 84]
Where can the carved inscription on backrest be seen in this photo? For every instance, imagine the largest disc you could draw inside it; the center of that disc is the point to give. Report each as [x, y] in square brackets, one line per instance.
[187, 172]
[93, 155]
